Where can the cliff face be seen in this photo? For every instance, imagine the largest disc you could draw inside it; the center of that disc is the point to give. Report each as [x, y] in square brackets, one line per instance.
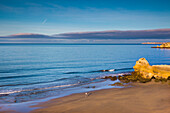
[164, 45]
[147, 71]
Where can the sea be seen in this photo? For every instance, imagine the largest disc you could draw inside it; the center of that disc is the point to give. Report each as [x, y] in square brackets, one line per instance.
[30, 72]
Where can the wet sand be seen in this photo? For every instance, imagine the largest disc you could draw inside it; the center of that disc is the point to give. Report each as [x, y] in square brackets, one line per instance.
[149, 97]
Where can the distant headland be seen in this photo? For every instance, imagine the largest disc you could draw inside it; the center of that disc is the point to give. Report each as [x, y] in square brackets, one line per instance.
[164, 45]
[153, 42]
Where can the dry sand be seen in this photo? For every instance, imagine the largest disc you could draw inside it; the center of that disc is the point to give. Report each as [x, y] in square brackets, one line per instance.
[142, 98]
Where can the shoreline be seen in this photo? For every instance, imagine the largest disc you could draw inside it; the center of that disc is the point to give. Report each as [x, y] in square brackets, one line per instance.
[26, 106]
[148, 97]
[127, 87]
[47, 104]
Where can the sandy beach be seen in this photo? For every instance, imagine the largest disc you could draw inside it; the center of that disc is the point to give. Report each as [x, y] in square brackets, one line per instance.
[149, 97]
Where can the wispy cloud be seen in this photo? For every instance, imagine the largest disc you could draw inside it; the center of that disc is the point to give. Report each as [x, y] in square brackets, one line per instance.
[45, 20]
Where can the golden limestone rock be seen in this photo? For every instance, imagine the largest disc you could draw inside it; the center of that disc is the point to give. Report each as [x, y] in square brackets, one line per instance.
[164, 45]
[147, 71]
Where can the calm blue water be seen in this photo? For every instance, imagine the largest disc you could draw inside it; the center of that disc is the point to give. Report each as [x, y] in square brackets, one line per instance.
[29, 72]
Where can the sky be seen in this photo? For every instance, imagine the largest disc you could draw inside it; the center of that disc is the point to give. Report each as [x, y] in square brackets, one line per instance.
[51, 17]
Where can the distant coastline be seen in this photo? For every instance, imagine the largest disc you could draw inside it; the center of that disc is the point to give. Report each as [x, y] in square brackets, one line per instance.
[164, 45]
[153, 42]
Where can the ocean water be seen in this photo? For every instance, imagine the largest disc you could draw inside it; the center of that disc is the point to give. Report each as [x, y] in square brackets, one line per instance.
[35, 71]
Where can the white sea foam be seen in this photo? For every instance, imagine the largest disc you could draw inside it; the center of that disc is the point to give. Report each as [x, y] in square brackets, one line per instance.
[10, 92]
[111, 69]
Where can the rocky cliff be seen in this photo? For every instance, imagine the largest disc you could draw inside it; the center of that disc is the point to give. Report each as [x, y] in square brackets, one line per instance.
[147, 71]
[164, 45]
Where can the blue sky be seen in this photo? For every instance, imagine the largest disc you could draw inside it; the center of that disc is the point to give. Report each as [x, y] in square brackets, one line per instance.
[62, 16]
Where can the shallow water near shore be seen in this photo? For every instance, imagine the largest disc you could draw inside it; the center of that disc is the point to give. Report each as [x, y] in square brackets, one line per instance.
[29, 72]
